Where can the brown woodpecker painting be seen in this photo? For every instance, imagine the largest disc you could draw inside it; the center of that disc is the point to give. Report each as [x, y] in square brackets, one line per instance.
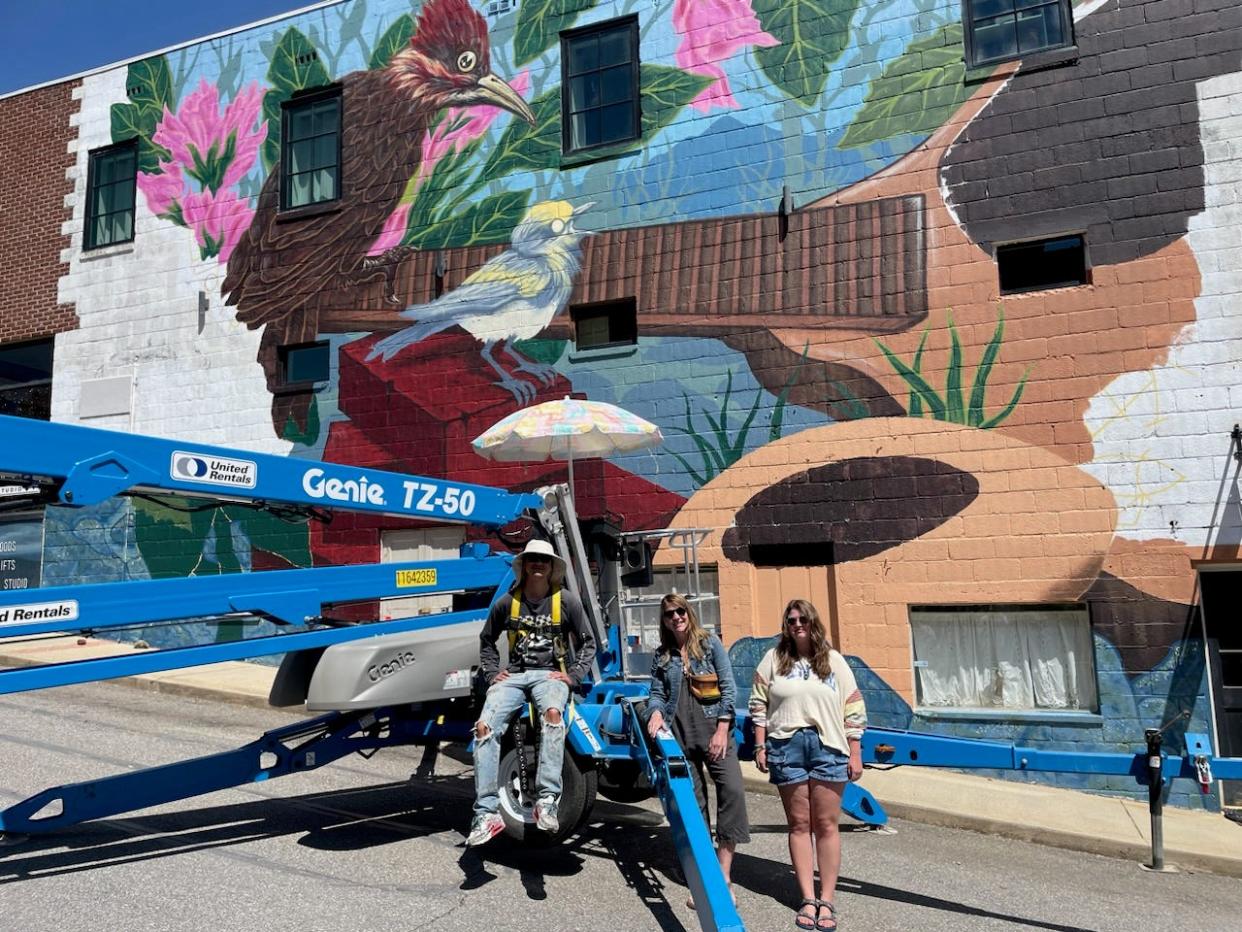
[290, 267]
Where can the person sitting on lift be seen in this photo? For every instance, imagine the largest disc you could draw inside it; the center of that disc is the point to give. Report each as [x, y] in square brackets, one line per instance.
[541, 618]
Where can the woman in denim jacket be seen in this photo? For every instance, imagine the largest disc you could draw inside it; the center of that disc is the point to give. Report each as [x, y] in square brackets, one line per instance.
[699, 709]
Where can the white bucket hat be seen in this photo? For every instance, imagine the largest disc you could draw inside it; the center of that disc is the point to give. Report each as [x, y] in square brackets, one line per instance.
[540, 548]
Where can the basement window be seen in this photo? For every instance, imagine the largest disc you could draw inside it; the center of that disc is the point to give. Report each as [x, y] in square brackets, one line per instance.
[26, 379]
[605, 325]
[304, 365]
[1037, 265]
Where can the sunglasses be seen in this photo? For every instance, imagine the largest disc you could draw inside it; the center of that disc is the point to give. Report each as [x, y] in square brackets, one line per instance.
[797, 621]
[537, 559]
[673, 613]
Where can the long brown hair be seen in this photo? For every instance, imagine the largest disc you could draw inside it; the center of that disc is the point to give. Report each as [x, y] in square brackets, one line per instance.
[787, 648]
[694, 640]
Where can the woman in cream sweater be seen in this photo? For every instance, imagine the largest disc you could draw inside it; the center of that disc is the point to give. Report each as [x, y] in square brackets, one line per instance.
[809, 719]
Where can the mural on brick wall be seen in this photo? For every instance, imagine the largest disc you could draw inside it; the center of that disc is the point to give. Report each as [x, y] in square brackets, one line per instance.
[806, 229]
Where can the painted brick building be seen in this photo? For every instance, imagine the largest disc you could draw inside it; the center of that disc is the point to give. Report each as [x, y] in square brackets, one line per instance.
[935, 302]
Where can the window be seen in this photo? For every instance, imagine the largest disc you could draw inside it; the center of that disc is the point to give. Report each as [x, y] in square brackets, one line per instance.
[1045, 263]
[1007, 658]
[1000, 30]
[111, 178]
[26, 380]
[310, 155]
[303, 365]
[609, 323]
[599, 85]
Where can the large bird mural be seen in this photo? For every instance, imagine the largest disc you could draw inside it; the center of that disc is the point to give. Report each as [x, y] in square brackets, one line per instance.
[512, 296]
[286, 269]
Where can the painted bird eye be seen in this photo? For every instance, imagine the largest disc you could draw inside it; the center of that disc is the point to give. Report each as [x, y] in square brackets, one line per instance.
[558, 227]
[466, 61]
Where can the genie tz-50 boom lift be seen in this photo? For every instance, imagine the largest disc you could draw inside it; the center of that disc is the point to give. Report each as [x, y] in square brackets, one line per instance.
[401, 681]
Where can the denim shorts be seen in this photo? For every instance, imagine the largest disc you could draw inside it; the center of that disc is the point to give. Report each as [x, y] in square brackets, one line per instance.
[803, 756]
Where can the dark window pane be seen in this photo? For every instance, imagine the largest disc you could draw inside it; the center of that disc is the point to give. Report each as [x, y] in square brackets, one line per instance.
[995, 39]
[584, 92]
[616, 84]
[325, 184]
[583, 54]
[585, 129]
[614, 323]
[308, 363]
[26, 379]
[327, 117]
[301, 123]
[1039, 29]
[1052, 263]
[616, 122]
[982, 9]
[614, 47]
[325, 152]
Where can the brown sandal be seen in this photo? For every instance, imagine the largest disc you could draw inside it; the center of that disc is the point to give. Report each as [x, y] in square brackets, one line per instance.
[829, 923]
[807, 923]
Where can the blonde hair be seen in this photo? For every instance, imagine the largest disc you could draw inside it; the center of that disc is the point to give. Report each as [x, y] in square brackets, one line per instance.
[694, 640]
[787, 647]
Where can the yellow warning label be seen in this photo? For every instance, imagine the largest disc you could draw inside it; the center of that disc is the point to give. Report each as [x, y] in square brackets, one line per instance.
[408, 579]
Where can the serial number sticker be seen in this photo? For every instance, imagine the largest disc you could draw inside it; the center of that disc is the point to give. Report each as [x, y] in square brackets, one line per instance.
[409, 579]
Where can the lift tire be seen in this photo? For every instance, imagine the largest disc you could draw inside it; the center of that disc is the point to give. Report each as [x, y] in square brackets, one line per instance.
[579, 784]
[622, 781]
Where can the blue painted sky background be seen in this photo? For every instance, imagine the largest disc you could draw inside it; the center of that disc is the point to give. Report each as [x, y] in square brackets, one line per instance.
[49, 39]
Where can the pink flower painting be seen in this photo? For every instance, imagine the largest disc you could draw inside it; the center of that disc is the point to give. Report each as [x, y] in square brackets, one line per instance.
[212, 151]
[712, 32]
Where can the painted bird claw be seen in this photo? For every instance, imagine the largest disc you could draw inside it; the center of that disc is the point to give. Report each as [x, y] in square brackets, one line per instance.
[544, 373]
[523, 392]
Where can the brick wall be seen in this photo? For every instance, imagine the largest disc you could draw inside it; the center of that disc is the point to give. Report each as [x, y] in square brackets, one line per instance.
[35, 134]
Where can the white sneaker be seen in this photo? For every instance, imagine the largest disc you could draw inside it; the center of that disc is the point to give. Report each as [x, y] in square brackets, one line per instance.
[484, 829]
[545, 815]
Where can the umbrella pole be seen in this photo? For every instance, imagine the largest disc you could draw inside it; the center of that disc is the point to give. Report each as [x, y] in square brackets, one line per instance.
[571, 471]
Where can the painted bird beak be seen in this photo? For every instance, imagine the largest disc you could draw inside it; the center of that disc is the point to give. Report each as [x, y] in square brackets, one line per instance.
[492, 90]
[583, 208]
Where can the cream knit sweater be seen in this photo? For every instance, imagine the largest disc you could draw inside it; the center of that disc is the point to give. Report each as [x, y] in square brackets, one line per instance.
[832, 706]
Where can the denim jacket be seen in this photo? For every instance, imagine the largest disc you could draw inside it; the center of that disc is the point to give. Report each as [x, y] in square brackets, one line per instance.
[666, 672]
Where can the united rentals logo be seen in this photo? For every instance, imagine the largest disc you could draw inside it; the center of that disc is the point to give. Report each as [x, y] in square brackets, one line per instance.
[40, 611]
[213, 470]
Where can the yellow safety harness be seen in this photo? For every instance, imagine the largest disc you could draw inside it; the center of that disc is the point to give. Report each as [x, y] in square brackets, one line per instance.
[515, 612]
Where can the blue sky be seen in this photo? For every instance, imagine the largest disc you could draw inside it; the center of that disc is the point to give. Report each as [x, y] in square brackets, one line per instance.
[42, 40]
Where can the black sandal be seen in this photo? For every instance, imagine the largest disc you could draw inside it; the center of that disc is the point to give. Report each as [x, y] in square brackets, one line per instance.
[801, 920]
[822, 925]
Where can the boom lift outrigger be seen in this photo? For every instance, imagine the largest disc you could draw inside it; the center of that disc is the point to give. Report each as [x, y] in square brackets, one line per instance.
[407, 680]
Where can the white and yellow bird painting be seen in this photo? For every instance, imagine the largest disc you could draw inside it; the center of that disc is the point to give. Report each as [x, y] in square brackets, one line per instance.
[512, 297]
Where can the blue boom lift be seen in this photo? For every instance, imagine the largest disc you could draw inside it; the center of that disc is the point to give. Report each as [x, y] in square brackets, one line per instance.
[404, 681]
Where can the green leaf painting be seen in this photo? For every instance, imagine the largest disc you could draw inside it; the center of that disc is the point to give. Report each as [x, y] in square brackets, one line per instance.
[489, 221]
[540, 23]
[149, 86]
[391, 42]
[812, 34]
[665, 91]
[915, 94]
[526, 147]
[950, 407]
[295, 66]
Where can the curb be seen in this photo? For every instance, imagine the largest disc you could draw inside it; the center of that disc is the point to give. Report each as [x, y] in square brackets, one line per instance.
[156, 684]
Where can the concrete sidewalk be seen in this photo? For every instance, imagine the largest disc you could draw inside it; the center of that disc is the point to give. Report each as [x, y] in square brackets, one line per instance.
[1029, 812]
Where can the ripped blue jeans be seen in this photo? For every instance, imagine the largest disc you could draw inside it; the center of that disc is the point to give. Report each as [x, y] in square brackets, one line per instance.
[503, 701]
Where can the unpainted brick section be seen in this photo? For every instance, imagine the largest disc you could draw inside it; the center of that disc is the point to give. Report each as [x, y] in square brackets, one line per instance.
[35, 133]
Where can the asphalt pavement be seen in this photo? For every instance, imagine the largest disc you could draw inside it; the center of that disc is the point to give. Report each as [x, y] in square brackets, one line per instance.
[360, 845]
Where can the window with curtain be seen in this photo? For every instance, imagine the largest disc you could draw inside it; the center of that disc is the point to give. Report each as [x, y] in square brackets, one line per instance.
[1004, 658]
[311, 149]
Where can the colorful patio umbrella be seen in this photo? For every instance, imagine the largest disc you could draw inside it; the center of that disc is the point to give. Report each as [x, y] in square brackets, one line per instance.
[562, 430]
